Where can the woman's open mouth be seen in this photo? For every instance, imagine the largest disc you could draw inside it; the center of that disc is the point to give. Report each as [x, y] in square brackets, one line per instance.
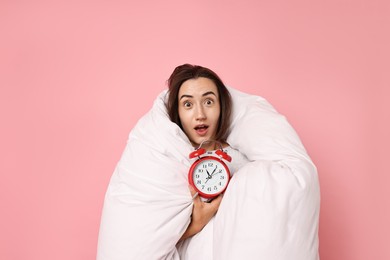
[201, 129]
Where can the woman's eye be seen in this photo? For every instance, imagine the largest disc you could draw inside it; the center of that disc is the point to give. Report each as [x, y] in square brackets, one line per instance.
[187, 104]
[209, 102]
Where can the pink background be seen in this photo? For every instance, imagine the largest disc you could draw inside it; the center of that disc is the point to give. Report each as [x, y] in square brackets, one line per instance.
[76, 76]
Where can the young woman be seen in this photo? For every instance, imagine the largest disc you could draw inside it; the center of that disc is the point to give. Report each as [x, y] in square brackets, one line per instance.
[201, 105]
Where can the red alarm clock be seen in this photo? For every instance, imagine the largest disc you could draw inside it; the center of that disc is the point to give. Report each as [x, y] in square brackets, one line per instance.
[209, 174]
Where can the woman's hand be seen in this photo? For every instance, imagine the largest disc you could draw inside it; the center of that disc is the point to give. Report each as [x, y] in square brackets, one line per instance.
[202, 212]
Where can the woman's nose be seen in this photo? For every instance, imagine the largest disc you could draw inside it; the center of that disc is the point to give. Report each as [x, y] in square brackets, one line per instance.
[200, 114]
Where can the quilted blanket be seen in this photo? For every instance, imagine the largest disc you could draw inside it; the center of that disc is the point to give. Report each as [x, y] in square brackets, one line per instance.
[269, 211]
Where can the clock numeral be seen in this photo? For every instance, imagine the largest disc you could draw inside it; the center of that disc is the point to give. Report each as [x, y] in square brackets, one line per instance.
[215, 188]
[202, 187]
[210, 164]
[220, 171]
[222, 177]
[197, 176]
[209, 189]
[220, 183]
[204, 166]
[200, 170]
[198, 182]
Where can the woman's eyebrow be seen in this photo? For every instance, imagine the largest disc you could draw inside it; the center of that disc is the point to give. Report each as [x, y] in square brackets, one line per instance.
[186, 96]
[209, 93]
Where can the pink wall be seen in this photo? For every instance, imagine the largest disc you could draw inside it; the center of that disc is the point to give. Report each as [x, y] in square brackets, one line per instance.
[76, 76]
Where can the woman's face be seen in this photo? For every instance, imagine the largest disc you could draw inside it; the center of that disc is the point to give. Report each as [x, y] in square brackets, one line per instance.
[199, 109]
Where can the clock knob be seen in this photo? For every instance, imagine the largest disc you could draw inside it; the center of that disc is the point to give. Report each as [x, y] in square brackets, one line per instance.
[197, 153]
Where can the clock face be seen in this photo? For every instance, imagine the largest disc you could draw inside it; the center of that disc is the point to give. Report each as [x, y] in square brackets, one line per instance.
[210, 176]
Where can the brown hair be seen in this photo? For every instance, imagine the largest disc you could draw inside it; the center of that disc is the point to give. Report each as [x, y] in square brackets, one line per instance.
[185, 72]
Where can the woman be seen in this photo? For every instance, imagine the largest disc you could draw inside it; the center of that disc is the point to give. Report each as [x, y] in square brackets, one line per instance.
[201, 105]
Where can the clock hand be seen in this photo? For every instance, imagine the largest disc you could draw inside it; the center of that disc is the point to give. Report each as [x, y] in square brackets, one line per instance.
[209, 175]
[214, 170]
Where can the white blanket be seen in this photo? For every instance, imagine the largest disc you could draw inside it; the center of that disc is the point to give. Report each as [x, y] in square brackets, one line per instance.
[269, 211]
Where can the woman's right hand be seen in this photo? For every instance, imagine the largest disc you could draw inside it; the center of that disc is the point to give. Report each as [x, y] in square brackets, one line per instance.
[202, 212]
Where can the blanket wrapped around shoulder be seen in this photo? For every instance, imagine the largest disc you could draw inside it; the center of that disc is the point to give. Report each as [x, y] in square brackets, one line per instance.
[269, 211]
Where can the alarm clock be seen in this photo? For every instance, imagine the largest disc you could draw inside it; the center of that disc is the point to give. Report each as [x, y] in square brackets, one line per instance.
[209, 174]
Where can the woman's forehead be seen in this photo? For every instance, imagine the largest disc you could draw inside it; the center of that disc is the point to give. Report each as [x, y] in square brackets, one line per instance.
[198, 87]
